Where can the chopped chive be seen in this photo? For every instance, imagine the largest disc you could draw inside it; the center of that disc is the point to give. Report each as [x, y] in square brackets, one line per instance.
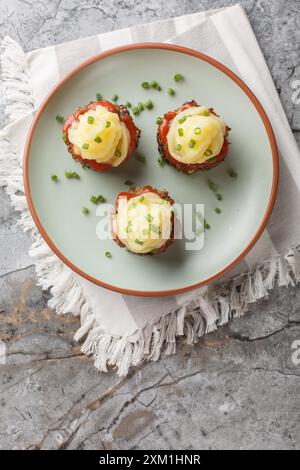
[149, 217]
[171, 92]
[212, 186]
[197, 130]
[84, 167]
[128, 183]
[135, 110]
[91, 120]
[54, 178]
[192, 143]
[178, 147]
[145, 85]
[133, 205]
[153, 252]
[145, 231]
[64, 137]
[178, 77]
[97, 199]
[208, 152]
[205, 112]
[159, 120]
[218, 210]
[72, 175]
[85, 146]
[155, 85]
[161, 161]
[139, 242]
[98, 139]
[108, 254]
[128, 104]
[141, 106]
[115, 98]
[107, 124]
[118, 153]
[98, 96]
[219, 197]
[212, 159]
[140, 158]
[232, 173]
[60, 118]
[154, 228]
[85, 211]
[180, 131]
[182, 119]
[206, 225]
[148, 104]
[141, 199]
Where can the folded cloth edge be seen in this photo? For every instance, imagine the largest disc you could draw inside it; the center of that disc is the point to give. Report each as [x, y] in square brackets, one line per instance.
[201, 313]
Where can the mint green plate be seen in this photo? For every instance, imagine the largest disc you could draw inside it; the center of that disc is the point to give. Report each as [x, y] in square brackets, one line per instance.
[247, 200]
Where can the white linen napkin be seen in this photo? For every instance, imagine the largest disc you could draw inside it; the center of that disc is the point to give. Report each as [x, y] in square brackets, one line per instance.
[123, 330]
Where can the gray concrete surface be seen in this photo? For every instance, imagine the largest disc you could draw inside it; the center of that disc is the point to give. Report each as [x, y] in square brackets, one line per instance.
[238, 388]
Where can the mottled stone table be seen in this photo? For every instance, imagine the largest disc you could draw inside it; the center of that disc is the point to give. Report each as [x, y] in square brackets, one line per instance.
[238, 388]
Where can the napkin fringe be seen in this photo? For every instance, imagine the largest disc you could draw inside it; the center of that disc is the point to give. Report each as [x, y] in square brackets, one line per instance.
[16, 86]
[200, 315]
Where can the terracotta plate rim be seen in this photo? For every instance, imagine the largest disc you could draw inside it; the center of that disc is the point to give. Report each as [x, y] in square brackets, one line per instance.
[226, 71]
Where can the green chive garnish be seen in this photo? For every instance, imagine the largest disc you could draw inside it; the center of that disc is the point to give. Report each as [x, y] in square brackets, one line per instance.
[107, 124]
[60, 118]
[218, 210]
[212, 186]
[85, 211]
[206, 225]
[181, 120]
[91, 120]
[149, 217]
[154, 228]
[208, 152]
[171, 92]
[85, 146]
[98, 139]
[205, 112]
[108, 254]
[128, 104]
[159, 120]
[139, 242]
[192, 143]
[128, 183]
[135, 110]
[178, 77]
[141, 199]
[115, 98]
[54, 178]
[72, 175]
[180, 131]
[145, 85]
[118, 153]
[232, 173]
[64, 137]
[161, 161]
[133, 205]
[141, 106]
[148, 104]
[140, 158]
[97, 199]
[219, 197]
[98, 96]
[197, 130]
[155, 85]
[178, 147]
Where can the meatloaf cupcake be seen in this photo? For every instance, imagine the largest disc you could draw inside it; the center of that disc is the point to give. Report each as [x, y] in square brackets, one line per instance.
[143, 220]
[101, 135]
[192, 138]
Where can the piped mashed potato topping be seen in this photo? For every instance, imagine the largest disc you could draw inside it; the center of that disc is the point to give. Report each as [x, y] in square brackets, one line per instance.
[143, 223]
[195, 135]
[99, 135]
